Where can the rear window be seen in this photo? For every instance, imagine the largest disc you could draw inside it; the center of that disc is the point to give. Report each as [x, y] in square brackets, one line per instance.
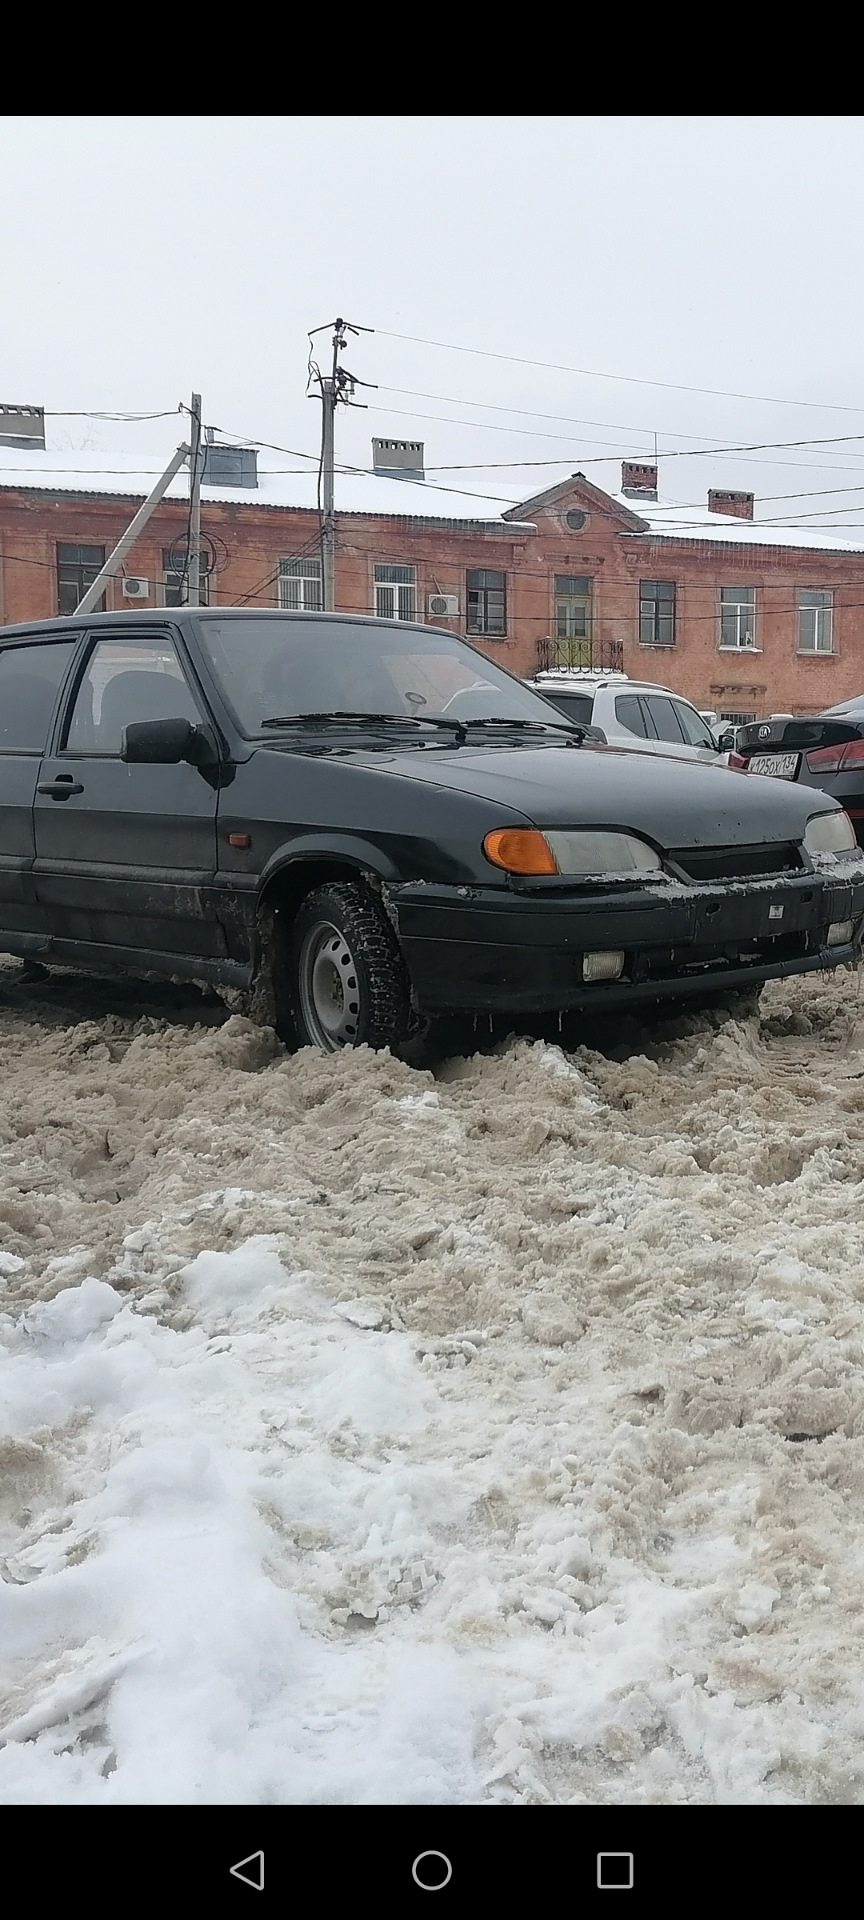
[30, 679]
[576, 706]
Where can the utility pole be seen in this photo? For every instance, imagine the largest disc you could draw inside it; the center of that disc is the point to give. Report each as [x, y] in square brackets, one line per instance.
[193, 558]
[328, 484]
[333, 388]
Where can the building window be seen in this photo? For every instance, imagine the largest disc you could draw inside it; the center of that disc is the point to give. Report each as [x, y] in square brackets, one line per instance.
[486, 601]
[173, 590]
[396, 593]
[738, 719]
[77, 568]
[737, 616]
[815, 609]
[573, 619]
[300, 586]
[657, 613]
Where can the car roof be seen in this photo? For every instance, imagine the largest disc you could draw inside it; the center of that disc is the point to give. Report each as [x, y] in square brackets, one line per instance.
[590, 683]
[581, 677]
[157, 616]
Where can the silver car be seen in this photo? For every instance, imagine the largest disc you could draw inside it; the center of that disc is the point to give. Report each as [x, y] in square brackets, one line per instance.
[631, 713]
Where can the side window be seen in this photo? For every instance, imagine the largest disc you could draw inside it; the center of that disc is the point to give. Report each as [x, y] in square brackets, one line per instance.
[30, 679]
[125, 681]
[664, 714]
[628, 713]
[695, 731]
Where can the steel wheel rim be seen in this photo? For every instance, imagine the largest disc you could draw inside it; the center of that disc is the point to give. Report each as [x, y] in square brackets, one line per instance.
[329, 988]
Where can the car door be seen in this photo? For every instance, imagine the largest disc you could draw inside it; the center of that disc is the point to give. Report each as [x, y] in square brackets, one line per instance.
[31, 675]
[126, 854]
[697, 732]
[664, 716]
[631, 726]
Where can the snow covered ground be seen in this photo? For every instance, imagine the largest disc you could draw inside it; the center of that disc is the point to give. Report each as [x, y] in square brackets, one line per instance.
[487, 1436]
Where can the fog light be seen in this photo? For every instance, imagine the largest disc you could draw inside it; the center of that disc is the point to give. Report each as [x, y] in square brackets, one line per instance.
[605, 965]
[839, 933]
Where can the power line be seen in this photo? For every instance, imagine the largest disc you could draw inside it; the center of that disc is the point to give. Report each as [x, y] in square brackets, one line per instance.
[547, 575]
[54, 413]
[300, 553]
[624, 379]
[670, 453]
[616, 426]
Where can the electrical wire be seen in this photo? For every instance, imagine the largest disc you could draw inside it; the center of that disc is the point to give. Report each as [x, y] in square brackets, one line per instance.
[671, 453]
[301, 553]
[615, 426]
[624, 379]
[684, 620]
[54, 413]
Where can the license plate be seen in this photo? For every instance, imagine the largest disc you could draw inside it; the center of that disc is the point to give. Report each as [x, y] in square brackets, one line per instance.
[783, 765]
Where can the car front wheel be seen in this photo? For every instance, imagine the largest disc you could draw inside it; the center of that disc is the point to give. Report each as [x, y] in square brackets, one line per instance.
[347, 981]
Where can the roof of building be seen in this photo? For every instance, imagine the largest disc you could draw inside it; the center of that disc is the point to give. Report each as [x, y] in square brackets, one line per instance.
[670, 522]
[281, 484]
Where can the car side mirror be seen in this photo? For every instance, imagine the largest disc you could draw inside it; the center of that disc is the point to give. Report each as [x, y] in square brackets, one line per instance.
[165, 743]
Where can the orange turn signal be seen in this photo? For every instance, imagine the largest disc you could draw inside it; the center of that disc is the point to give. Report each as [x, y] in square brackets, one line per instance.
[520, 850]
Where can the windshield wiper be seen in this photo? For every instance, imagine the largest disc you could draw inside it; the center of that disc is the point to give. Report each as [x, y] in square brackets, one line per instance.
[552, 726]
[364, 718]
[414, 721]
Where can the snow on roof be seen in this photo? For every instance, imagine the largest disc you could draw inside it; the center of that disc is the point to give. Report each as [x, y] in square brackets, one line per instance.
[280, 484]
[670, 522]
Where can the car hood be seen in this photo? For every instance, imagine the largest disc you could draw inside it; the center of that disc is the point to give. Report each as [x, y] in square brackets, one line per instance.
[674, 802]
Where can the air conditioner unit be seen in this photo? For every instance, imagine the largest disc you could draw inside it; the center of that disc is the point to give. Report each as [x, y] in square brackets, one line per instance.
[134, 589]
[444, 606]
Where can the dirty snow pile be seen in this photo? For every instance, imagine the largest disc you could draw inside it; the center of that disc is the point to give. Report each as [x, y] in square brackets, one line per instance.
[491, 1435]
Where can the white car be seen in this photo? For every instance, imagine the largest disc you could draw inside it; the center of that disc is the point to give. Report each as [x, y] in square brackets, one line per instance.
[631, 713]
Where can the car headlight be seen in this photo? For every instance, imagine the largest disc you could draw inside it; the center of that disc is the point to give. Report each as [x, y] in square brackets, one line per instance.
[572, 852]
[830, 833]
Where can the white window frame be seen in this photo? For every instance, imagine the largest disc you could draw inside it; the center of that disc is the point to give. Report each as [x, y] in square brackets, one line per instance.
[741, 615]
[396, 597]
[821, 612]
[300, 584]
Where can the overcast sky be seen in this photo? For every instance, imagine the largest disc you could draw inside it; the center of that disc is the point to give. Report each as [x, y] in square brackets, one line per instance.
[663, 266]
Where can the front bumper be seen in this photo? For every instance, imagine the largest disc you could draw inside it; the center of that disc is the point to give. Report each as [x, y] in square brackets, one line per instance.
[485, 949]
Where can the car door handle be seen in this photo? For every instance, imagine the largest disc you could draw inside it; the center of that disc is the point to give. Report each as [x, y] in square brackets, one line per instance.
[61, 788]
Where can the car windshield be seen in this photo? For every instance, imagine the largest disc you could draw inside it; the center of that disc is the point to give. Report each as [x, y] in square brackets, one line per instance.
[273, 668]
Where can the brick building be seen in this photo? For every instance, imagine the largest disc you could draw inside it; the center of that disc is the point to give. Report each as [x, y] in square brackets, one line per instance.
[744, 617]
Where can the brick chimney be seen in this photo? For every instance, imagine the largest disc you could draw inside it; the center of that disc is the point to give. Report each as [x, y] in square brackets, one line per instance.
[723, 500]
[638, 481]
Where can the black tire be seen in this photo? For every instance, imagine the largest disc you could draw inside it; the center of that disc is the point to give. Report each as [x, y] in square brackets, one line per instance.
[347, 983]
